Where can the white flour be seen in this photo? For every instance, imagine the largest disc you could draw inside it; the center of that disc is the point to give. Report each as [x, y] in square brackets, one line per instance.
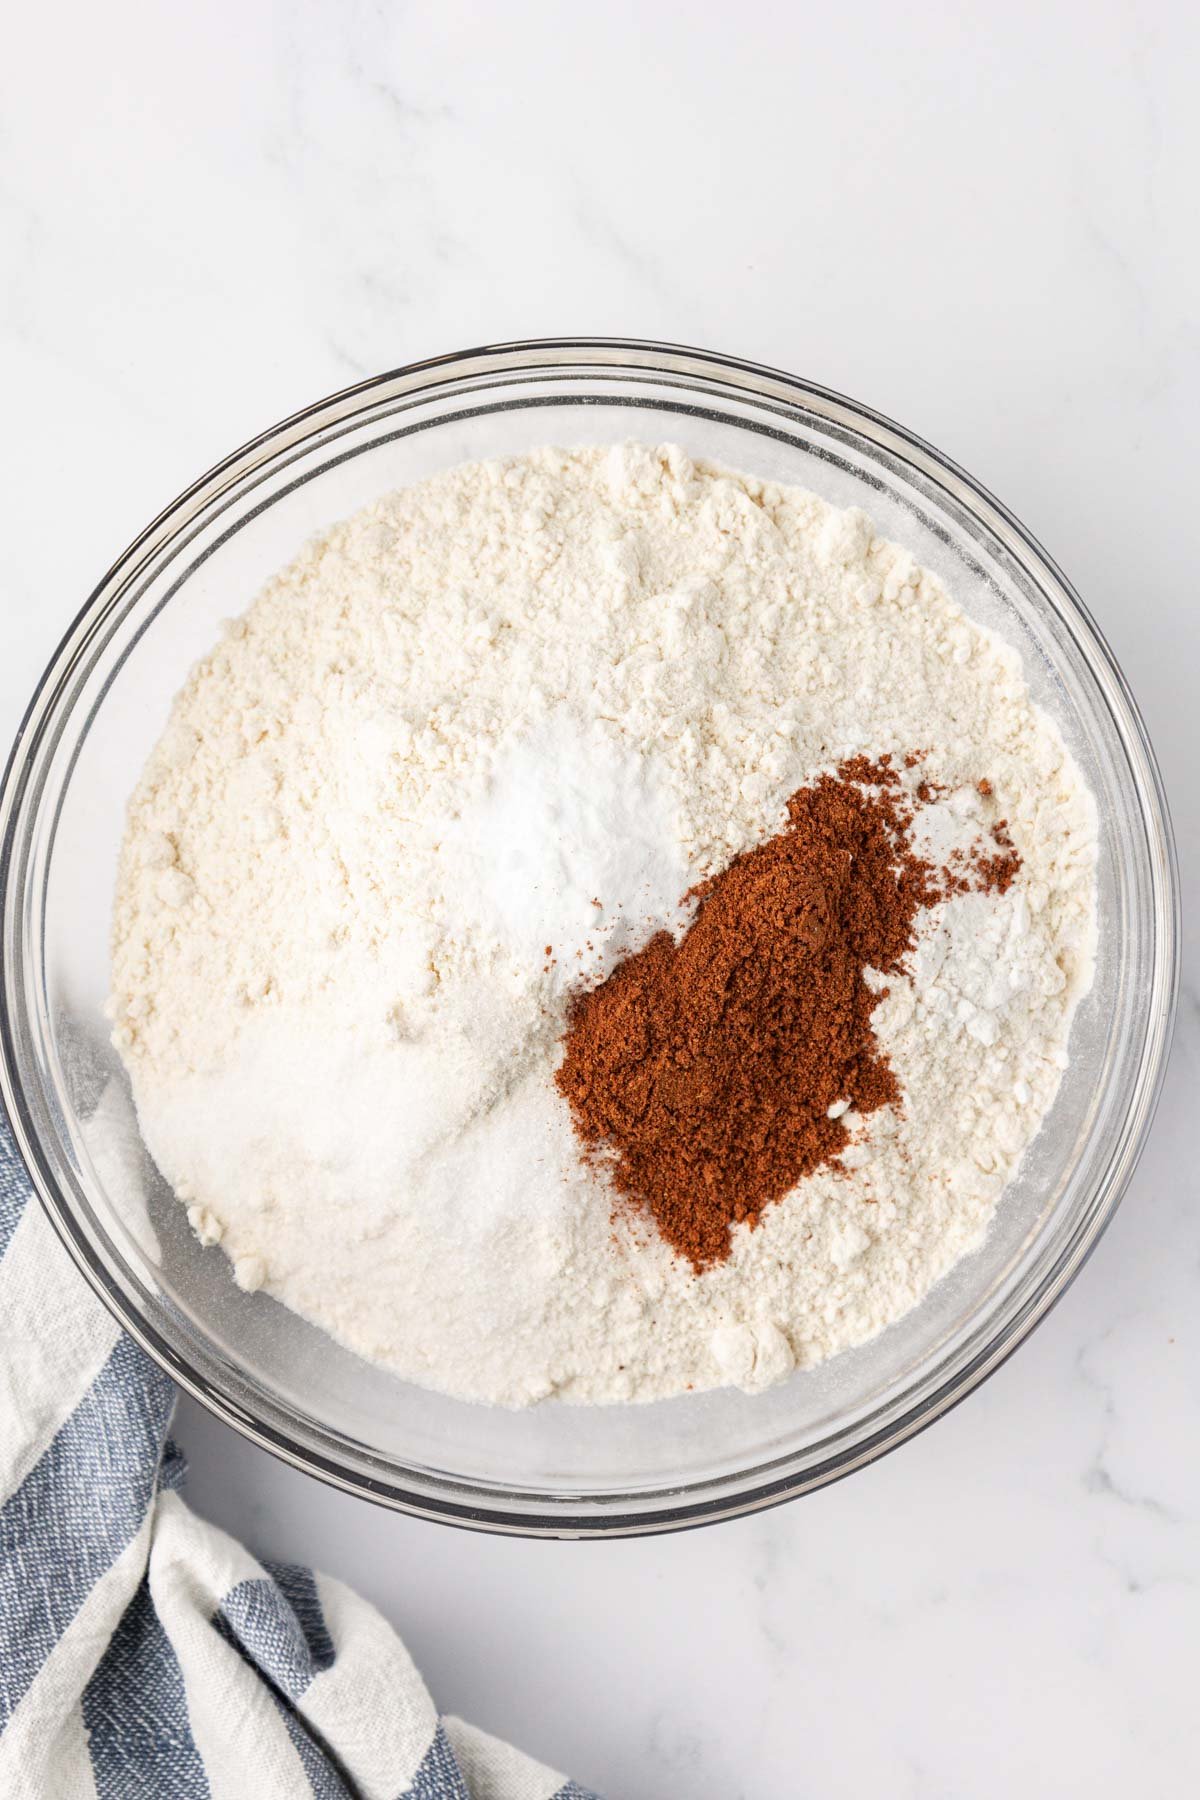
[522, 706]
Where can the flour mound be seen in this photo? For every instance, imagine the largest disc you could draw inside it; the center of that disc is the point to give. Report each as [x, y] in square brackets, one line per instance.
[469, 751]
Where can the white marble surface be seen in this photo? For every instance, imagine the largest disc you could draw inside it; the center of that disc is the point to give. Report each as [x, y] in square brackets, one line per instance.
[986, 229]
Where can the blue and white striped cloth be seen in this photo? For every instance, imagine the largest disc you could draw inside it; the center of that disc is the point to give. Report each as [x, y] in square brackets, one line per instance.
[145, 1655]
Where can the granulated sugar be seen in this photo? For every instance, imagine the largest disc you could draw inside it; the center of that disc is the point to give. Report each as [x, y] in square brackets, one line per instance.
[469, 751]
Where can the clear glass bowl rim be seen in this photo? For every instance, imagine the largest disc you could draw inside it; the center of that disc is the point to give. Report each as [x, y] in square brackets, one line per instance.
[611, 358]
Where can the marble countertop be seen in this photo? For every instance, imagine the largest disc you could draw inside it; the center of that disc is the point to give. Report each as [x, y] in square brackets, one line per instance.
[212, 215]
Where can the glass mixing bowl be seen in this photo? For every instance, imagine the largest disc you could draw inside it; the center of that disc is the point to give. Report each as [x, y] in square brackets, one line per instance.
[555, 1470]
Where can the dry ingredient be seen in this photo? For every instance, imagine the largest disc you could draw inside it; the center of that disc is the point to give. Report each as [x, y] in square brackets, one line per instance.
[715, 1073]
[533, 704]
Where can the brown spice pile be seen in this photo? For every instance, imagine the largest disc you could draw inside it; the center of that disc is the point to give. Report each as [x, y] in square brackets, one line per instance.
[703, 1071]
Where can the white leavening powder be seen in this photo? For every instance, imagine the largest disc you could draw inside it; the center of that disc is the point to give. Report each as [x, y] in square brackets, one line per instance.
[472, 747]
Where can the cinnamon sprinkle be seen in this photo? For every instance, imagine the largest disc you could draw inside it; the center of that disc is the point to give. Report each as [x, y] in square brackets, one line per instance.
[712, 1074]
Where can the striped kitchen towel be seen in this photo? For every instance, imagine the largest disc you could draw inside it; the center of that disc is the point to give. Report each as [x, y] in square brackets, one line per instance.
[144, 1655]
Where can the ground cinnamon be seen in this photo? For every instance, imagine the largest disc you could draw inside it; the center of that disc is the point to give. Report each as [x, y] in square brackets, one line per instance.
[707, 1072]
